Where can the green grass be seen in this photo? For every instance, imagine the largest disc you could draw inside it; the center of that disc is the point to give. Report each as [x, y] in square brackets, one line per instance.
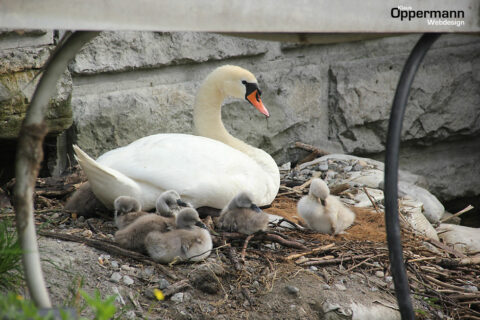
[13, 306]
[10, 257]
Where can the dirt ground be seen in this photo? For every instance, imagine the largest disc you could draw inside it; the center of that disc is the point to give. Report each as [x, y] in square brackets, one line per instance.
[266, 286]
[307, 276]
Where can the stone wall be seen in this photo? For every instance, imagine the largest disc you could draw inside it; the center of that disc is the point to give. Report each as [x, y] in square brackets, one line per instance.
[338, 97]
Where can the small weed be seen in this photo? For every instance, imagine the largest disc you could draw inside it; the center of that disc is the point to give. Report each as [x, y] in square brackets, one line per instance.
[13, 306]
[10, 256]
[103, 309]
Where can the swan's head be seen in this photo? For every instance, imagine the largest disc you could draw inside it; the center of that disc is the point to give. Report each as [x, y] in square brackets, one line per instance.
[319, 189]
[188, 218]
[126, 204]
[169, 201]
[243, 201]
[239, 83]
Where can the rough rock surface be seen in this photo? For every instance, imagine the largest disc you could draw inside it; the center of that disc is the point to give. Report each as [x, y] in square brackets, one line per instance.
[462, 238]
[19, 68]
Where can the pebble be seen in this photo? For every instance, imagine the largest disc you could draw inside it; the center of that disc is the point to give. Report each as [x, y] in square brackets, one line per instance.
[470, 288]
[130, 315]
[323, 166]
[127, 280]
[292, 289]
[340, 287]
[388, 278]
[116, 277]
[286, 166]
[147, 272]
[313, 268]
[114, 264]
[81, 219]
[126, 267]
[380, 274]
[325, 287]
[347, 169]
[56, 215]
[374, 289]
[177, 297]
[163, 283]
[87, 233]
[357, 167]
[331, 174]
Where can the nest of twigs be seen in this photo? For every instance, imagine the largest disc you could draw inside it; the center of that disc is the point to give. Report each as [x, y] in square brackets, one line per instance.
[440, 276]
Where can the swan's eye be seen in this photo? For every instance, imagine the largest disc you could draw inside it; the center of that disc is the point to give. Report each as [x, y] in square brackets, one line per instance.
[250, 88]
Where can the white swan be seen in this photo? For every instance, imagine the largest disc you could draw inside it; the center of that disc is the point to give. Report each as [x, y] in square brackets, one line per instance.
[206, 170]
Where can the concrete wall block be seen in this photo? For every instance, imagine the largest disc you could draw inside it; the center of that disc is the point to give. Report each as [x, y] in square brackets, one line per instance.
[16, 91]
[121, 51]
[114, 119]
[440, 108]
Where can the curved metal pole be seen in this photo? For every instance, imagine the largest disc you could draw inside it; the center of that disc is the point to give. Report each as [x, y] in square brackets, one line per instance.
[29, 156]
[402, 289]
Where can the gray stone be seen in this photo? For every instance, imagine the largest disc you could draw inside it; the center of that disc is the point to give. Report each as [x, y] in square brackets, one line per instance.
[129, 50]
[177, 297]
[21, 59]
[116, 277]
[357, 167]
[379, 274]
[462, 238]
[323, 166]
[16, 91]
[313, 268]
[340, 287]
[130, 315]
[292, 289]
[470, 288]
[363, 97]
[114, 264]
[127, 280]
[163, 284]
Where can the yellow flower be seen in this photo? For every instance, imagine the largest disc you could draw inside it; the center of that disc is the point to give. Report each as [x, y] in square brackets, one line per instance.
[158, 294]
[19, 297]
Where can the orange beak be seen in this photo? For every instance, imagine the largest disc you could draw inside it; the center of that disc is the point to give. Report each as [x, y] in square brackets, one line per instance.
[254, 99]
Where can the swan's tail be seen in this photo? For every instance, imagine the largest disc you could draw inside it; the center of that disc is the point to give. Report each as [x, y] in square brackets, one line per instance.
[107, 183]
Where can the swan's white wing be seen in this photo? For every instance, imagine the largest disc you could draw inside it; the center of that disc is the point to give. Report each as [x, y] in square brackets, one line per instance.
[203, 171]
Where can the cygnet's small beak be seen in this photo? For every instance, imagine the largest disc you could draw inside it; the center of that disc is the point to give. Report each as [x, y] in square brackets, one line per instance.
[254, 99]
[255, 208]
[182, 203]
[201, 224]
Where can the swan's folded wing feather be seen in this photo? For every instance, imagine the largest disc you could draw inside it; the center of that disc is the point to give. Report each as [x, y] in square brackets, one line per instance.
[196, 167]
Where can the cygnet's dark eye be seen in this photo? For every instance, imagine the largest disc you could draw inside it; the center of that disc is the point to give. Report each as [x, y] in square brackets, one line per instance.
[244, 82]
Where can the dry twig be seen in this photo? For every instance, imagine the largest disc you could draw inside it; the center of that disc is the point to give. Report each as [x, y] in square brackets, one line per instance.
[468, 208]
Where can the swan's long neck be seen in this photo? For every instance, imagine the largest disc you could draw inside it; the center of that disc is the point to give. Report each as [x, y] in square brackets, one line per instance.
[207, 119]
